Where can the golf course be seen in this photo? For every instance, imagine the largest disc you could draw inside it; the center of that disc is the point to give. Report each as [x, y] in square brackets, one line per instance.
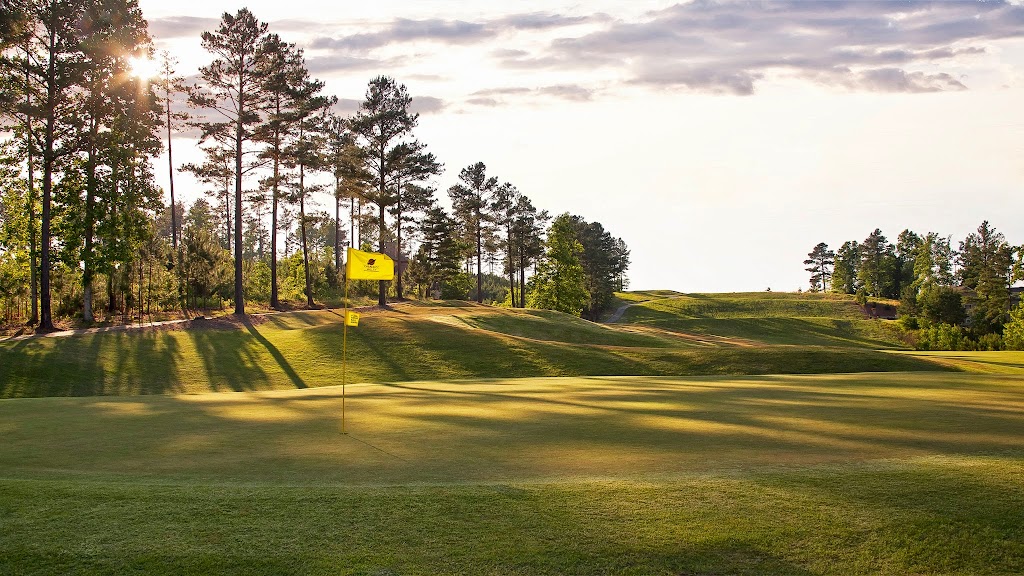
[749, 433]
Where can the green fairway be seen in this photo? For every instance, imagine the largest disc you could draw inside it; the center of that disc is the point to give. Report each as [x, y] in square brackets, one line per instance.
[823, 474]
[438, 342]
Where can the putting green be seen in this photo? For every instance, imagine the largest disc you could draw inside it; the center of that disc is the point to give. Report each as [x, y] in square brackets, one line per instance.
[534, 429]
[881, 473]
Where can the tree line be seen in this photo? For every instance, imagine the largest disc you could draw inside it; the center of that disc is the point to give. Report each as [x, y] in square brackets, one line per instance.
[83, 225]
[956, 296]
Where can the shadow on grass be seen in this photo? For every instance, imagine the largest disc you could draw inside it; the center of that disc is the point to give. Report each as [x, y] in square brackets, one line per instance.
[276, 354]
[113, 363]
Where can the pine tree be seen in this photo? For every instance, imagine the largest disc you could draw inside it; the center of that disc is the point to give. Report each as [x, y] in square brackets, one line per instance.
[820, 261]
[232, 88]
[875, 264]
[471, 199]
[382, 122]
[845, 273]
[411, 165]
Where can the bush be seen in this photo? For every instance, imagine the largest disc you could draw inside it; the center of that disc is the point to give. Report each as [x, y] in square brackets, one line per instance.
[456, 287]
[909, 322]
[944, 337]
[1013, 331]
[990, 342]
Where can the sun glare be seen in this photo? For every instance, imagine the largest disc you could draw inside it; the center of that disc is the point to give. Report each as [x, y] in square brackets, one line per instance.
[144, 67]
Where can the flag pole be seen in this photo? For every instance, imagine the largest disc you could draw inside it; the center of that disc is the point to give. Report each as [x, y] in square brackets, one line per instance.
[344, 355]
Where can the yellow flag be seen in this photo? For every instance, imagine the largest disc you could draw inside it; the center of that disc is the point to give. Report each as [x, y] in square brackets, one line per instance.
[352, 319]
[368, 265]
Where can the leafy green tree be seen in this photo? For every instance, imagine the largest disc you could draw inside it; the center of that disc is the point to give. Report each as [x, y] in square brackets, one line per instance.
[1013, 330]
[820, 262]
[233, 87]
[846, 271]
[471, 199]
[876, 262]
[560, 283]
[436, 262]
[941, 305]
[18, 93]
[604, 259]
[123, 108]
[932, 262]
[986, 268]
[904, 257]
[383, 121]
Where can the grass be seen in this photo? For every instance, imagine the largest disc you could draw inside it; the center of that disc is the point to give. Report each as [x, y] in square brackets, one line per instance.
[814, 474]
[803, 441]
[768, 318]
[438, 342]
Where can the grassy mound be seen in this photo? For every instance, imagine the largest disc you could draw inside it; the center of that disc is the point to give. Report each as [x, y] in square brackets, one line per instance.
[767, 318]
[820, 474]
[430, 342]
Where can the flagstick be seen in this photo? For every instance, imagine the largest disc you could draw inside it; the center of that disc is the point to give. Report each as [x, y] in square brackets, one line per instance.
[344, 357]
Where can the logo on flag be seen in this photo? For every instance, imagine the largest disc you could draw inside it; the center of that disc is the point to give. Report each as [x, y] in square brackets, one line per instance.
[368, 265]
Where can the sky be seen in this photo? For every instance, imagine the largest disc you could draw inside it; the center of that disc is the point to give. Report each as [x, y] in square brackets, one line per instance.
[720, 140]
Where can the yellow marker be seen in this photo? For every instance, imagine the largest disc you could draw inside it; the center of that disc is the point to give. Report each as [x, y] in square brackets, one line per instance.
[352, 319]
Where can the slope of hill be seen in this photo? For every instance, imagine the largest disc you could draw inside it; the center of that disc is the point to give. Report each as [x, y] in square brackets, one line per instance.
[767, 318]
[664, 334]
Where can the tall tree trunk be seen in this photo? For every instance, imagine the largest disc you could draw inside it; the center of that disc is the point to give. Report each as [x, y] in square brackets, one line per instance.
[45, 318]
[33, 250]
[511, 266]
[479, 259]
[170, 175]
[88, 264]
[239, 296]
[337, 225]
[382, 294]
[522, 278]
[305, 245]
[274, 303]
[398, 244]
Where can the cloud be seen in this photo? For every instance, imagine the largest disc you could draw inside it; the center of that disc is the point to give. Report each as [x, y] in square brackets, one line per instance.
[426, 105]
[729, 47]
[896, 80]
[492, 97]
[405, 30]
[340, 63]
[543, 21]
[347, 106]
[567, 92]
[455, 32]
[181, 27]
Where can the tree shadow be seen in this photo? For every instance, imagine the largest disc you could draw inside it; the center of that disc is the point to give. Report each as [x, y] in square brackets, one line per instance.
[276, 354]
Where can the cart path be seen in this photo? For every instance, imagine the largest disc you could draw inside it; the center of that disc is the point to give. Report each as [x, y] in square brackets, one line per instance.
[622, 309]
[145, 325]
